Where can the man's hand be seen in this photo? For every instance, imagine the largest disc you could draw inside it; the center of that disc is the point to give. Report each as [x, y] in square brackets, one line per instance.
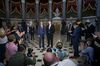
[95, 36]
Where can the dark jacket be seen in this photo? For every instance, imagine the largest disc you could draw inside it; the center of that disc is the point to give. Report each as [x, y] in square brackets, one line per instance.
[31, 30]
[89, 31]
[41, 31]
[20, 59]
[77, 34]
[50, 31]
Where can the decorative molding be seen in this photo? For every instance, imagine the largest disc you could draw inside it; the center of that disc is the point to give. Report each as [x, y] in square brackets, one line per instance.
[43, 3]
[15, 10]
[15, 2]
[30, 11]
[44, 11]
[89, 7]
[30, 3]
[71, 7]
[44, 14]
[57, 2]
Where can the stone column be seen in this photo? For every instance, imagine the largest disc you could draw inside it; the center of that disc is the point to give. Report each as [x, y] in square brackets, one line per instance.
[79, 8]
[64, 9]
[23, 10]
[7, 11]
[37, 10]
[98, 14]
[50, 10]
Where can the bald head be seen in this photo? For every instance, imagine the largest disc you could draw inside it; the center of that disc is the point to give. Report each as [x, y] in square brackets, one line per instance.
[49, 58]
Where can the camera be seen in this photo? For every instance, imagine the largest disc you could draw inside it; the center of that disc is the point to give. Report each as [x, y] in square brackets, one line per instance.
[30, 50]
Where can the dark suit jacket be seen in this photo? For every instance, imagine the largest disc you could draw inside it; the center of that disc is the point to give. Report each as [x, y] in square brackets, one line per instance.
[41, 31]
[31, 30]
[89, 31]
[77, 34]
[19, 59]
[51, 30]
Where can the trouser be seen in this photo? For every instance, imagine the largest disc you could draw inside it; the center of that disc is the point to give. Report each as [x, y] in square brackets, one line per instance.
[97, 55]
[75, 44]
[50, 40]
[68, 37]
[41, 41]
[32, 36]
[71, 41]
[27, 37]
[2, 52]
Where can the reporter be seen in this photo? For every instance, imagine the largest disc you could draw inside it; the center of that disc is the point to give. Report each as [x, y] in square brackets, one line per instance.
[96, 49]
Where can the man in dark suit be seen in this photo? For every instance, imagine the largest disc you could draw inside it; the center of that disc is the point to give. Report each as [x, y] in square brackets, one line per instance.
[90, 30]
[76, 36]
[50, 29]
[96, 48]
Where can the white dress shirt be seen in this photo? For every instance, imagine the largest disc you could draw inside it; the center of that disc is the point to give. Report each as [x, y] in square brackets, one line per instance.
[66, 62]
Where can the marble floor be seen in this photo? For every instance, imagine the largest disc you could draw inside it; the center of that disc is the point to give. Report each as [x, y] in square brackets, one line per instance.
[39, 54]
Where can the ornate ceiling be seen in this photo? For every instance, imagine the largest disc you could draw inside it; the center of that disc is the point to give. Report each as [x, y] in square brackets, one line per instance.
[88, 8]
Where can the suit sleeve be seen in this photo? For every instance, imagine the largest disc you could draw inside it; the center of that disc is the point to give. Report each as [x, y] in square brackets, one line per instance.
[97, 40]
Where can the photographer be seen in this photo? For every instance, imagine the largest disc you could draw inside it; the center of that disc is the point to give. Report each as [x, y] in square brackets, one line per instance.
[60, 53]
[96, 49]
[20, 59]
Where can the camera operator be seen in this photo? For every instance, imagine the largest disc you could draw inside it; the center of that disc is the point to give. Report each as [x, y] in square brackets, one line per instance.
[20, 59]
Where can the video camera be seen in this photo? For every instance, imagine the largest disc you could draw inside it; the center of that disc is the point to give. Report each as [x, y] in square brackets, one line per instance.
[30, 50]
